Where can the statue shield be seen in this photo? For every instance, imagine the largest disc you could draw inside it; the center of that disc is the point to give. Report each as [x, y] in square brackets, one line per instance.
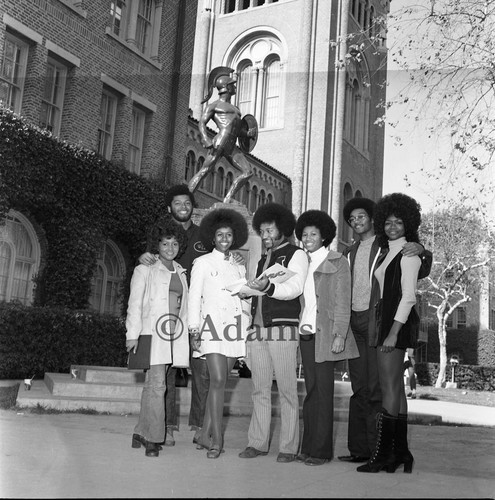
[247, 144]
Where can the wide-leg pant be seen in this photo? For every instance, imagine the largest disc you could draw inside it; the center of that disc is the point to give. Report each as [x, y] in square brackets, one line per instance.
[317, 440]
[269, 354]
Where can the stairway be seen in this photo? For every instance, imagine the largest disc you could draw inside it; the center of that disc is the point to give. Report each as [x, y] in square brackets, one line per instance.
[118, 391]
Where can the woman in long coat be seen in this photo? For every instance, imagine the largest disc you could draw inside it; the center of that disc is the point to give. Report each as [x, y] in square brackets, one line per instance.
[218, 320]
[325, 333]
[158, 307]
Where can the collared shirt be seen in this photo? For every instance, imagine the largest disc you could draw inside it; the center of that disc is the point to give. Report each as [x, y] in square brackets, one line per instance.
[307, 324]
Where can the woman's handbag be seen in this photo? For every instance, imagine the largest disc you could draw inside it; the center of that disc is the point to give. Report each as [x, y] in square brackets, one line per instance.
[181, 377]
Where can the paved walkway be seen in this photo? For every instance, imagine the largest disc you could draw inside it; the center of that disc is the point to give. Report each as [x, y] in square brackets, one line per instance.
[90, 456]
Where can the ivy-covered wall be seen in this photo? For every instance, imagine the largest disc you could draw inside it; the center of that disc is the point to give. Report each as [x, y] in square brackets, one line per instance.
[77, 200]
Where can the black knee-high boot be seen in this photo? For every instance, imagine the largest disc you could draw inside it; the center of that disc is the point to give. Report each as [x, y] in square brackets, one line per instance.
[383, 455]
[401, 450]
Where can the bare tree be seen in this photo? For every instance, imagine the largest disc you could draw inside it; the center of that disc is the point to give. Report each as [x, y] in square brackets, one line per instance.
[447, 49]
[462, 250]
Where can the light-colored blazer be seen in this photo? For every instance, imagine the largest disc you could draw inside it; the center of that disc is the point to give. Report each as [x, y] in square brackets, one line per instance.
[333, 298]
[148, 313]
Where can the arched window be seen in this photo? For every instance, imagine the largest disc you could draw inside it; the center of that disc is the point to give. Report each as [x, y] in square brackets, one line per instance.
[357, 106]
[253, 202]
[209, 180]
[262, 197]
[219, 181]
[229, 180]
[260, 89]
[199, 165]
[190, 161]
[246, 194]
[19, 258]
[346, 229]
[358, 194]
[106, 283]
[269, 198]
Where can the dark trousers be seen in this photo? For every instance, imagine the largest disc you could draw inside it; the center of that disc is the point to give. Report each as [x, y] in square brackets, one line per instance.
[170, 400]
[317, 438]
[200, 383]
[366, 399]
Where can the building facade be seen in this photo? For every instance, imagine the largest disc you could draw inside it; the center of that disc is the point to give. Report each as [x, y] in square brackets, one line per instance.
[111, 76]
[313, 75]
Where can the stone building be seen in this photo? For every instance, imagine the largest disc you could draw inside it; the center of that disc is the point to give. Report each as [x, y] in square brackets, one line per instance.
[312, 73]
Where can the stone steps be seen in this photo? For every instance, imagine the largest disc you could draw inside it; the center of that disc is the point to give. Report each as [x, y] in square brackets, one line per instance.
[118, 391]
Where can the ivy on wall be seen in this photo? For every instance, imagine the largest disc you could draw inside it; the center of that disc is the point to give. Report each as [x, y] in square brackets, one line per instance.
[78, 200]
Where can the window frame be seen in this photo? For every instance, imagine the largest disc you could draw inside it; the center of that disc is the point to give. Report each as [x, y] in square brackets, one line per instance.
[136, 140]
[33, 260]
[23, 48]
[54, 104]
[112, 101]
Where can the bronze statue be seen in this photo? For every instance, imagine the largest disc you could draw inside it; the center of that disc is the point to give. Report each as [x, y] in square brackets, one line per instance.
[230, 128]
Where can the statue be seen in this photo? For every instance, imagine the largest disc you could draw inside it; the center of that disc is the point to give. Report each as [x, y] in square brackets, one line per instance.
[230, 128]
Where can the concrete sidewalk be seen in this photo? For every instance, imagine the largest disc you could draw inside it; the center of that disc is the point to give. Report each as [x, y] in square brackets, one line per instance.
[90, 456]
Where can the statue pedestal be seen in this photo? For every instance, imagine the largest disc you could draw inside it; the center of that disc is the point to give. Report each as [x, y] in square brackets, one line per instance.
[251, 251]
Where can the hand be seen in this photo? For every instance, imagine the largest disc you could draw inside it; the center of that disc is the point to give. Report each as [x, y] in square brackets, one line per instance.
[148, 259]
[238, 258]
[338, 344]
[131, 345]
[207, 143]
[411, 249]
[389, 343]
[195, 339]
[243, 295]
[259, 283]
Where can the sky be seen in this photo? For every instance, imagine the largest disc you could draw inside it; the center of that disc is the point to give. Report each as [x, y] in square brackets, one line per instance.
[408, 148]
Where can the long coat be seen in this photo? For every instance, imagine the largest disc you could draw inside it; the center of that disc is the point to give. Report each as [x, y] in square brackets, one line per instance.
[148, 309]
[333, 298]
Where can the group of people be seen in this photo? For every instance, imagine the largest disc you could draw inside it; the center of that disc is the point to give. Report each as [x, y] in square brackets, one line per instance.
[357, 306]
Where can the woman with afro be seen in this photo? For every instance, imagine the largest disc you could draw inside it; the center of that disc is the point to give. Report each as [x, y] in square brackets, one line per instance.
[158, 294]
[218, 321]
[325, 333]
[394, 325]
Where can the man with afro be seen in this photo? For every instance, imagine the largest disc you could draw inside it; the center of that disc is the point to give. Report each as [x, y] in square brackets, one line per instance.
[366, 400]
[273, 342]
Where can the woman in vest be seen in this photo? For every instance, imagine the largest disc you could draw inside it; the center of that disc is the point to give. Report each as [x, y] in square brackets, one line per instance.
[394, 325]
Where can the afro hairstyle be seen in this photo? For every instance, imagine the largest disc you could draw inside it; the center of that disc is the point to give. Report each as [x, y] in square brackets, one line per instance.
[223, 217]
[403, 207]
[369, 206]
[166, 227]
[320, 220]
[178, 190]
[283, 218]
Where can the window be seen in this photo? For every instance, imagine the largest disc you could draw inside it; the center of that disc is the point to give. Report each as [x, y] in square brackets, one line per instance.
[190, 161]
[209, 179]
[271, 94]
[136, 22]
[357, 107]
[219, 181]
[19, 258]
[105, 286]
[244, 89]
[118, 11]
[260, 79]
[144, 25]
[53, 97]
[136, 140]
[229, 180]
[253, 202]
[106, 126]
[12, 72]
[457, 319]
